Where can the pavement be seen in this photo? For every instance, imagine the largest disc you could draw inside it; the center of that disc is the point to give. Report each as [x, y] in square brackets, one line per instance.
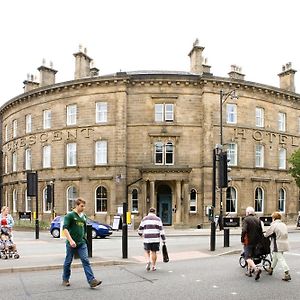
[47, 253]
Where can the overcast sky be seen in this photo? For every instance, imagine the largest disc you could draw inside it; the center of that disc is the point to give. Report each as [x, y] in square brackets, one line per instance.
[129, 35]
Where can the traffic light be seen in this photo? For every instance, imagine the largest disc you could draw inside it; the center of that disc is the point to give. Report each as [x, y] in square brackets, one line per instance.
[49, 193]
[223, 170]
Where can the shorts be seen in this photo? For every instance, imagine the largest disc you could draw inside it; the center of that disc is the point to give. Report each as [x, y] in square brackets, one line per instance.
[249, 251]
[151, 247]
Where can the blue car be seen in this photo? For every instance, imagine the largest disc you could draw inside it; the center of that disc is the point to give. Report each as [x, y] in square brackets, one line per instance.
[98, 229]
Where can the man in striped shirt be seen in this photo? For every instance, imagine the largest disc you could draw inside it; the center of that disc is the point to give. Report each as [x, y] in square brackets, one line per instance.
[151, 229]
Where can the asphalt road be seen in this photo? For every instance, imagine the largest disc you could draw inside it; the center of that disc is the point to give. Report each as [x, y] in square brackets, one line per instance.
[217, 277]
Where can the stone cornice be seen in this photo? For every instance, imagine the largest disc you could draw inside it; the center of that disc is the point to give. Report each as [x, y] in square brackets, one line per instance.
[165, 169]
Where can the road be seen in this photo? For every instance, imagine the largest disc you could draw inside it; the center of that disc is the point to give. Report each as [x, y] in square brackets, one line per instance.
[218, 277]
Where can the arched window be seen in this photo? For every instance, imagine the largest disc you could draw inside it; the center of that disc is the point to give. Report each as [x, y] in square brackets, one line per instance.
[134, 200]
[231, 200]
[71, 197]
[28, 202]
[15, 200]
[169, 154]
[101, 199]
[159, 153]
[281, 200]
[46, 205]
[259, 200]
[193, 201]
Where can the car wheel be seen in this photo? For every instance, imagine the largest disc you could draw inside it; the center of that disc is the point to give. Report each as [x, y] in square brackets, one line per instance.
[94, 234]
[55, 233]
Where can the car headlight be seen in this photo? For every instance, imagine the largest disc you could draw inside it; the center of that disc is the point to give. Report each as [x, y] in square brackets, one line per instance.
[102, 227]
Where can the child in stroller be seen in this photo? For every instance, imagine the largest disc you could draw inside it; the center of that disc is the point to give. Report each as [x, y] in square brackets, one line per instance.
[262, 255]
[8, 248]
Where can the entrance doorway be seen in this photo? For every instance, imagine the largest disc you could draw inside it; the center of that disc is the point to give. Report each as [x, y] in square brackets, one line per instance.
[164, 204]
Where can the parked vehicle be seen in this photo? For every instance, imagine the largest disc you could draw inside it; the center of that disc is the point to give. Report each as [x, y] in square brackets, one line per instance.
[99, 230]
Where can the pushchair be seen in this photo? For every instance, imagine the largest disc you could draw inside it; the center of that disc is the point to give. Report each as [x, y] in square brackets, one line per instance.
[262, 255]
[7, 246]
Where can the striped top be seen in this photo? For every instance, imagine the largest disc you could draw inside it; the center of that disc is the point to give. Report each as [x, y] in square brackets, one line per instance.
[151, 229]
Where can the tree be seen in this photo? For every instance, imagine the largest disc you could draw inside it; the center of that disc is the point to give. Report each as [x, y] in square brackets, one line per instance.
[294, 170]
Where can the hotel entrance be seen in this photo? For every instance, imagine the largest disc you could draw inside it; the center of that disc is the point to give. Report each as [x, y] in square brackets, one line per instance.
[164, 204]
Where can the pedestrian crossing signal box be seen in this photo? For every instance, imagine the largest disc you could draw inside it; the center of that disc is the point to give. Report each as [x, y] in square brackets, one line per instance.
[231, 222]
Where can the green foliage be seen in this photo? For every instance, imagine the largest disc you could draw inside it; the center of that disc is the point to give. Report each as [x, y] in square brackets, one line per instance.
[294, 170]
[31, 224]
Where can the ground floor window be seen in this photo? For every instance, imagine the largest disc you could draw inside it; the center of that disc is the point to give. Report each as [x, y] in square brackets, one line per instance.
[72, 195]
[101, 199]
[259, 200]
[281, 200]
[134, 201]
[231, 200]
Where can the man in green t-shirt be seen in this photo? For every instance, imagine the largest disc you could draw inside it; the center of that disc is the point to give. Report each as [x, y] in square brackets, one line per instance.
[75, 231]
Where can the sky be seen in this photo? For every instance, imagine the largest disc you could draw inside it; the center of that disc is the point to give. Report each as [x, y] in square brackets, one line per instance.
[131, 35]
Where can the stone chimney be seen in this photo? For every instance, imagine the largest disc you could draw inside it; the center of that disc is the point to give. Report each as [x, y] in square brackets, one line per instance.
[30, 84]
[94, 72]
[286, 77]
[196, 58]
[236, 73]
[47, 74]
[206, 68]
[82, 64]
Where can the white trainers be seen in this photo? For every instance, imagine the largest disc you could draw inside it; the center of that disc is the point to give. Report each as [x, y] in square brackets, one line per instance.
[148, 266]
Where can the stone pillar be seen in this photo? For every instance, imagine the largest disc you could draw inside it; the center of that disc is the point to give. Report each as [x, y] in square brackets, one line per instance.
[143, 210]
[178, 203]
[152, 194]
[186, 201]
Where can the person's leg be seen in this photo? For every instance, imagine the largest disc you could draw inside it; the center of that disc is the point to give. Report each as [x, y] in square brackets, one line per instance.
[147, 256]
[284, 265]
[153, 259]
[274, 260]
[83, 254]
[67, 263]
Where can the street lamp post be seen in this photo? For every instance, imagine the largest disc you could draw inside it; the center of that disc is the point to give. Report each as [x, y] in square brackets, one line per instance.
[217, 151]
[223, 98]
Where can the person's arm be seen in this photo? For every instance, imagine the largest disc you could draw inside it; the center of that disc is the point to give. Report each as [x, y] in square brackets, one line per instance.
[162, 232]
[269, 231]
[69, 238]
[11, 222]
[141, 229]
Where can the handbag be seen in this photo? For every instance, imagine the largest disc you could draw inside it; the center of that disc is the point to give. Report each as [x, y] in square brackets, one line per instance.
[165, 253]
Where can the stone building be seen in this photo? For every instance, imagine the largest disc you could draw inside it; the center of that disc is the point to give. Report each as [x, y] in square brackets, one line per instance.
[148, 137]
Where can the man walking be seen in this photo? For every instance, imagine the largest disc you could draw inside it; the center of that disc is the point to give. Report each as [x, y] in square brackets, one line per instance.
[250, 237]
[75, 231]
[151, 229]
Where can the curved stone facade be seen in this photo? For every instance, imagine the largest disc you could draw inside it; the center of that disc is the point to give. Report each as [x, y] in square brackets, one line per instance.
[148, 137]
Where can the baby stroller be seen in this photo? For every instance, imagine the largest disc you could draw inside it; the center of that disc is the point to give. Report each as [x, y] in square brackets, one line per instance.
[262, 255]
[7, 246]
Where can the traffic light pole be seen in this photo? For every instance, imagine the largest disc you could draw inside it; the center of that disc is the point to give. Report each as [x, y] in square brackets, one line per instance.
[213, 204]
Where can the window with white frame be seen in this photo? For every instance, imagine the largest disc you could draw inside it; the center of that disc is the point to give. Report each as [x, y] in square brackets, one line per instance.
[164, 153]
[71, 154]
[47, 205]
[259, 117]
[231, 200]
[28, 123]
[28, 159]
[101, 112]
[101, 199]
[28, 202]
[164, 112]
[15, 200]
[232, 154]
[101, 153]
[259, 156]
[47, 119]
[281, 200]
[5, 164]
[14, 161]
[6, 133]
[281, 121]
[71, 114]
[193, 201]
[282, 158]
[135, 201]
[259, 200]
[231, 112]
[72, 195]
[47, 156]
[15, 128]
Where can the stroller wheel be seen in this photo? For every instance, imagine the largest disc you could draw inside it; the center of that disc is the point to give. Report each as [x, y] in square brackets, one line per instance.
[242, 262]
[266, 264]
[4, 256]
[16, 256]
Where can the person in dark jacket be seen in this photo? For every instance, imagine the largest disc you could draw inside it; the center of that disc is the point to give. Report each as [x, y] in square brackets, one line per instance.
[251, 235]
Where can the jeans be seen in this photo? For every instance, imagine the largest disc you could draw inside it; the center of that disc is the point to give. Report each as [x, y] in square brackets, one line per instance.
[83, 254]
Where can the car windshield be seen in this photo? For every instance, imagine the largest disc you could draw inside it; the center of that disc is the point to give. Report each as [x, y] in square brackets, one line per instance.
[92, 221]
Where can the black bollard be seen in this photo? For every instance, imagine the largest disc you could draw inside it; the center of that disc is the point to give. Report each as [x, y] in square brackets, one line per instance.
[226, 237]
[89, 240]
[212, 236]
